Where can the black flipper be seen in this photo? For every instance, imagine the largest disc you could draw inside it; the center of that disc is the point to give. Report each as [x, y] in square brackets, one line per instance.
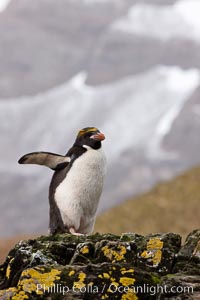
[50, 160]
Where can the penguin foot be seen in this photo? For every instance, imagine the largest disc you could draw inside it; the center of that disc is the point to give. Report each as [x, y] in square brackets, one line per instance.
[72, 231]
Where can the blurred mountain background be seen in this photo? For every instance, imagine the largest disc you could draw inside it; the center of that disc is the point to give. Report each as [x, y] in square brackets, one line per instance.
[128, 67]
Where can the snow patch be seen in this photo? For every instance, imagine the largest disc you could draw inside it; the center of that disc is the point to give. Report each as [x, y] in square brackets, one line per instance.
[4, 4]
[151, 102]
[134, 113]
[181, 20]
[178, 81]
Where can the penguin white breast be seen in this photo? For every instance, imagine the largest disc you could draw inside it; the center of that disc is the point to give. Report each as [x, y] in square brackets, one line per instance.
[78, 194]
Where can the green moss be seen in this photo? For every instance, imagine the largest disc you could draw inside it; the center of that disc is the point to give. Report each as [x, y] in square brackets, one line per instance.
[155, 279]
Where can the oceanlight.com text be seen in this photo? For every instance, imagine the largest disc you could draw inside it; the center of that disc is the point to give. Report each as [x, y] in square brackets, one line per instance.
[113, 288]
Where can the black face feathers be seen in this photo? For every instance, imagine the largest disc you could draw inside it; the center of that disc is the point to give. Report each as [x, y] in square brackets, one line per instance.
[89, 136]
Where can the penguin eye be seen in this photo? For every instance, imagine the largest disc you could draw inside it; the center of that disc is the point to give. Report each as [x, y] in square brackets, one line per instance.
[89, 134]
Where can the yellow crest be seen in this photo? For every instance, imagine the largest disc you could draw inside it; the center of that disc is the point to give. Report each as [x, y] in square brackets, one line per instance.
[86, 130]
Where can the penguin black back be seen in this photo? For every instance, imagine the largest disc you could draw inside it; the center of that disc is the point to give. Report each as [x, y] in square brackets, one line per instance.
[77, 182]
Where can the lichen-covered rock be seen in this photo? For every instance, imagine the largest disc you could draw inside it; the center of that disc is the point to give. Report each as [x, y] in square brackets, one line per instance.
[188, 258]
[105, 266]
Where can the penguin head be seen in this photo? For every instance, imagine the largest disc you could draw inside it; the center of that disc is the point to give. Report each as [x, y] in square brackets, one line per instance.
[90, 136]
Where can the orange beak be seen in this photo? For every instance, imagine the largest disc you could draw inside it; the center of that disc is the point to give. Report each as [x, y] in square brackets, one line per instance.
[98, 136]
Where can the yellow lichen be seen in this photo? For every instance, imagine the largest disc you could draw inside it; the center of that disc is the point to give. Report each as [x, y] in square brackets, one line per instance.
[104, 296]
[33, 277]
[124, 271]
[71, 273]
[80, 283]
[146, 254]
[8, 270]
[20, 296]
[112, 279]
[84, 250]
[14, 294]
[106, 275]
[155, 243]
[154, 251]
[129, 296]
[157, 258]
[114, 255]
[127, 281]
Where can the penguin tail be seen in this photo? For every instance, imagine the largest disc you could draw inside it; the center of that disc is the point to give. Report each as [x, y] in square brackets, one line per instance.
[50, 160]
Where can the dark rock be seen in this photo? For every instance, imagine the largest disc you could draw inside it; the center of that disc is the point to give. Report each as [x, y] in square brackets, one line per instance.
[103, 267]
[188, 258]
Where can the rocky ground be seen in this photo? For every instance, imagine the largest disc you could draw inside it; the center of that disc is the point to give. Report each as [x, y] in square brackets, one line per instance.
[105, 266]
